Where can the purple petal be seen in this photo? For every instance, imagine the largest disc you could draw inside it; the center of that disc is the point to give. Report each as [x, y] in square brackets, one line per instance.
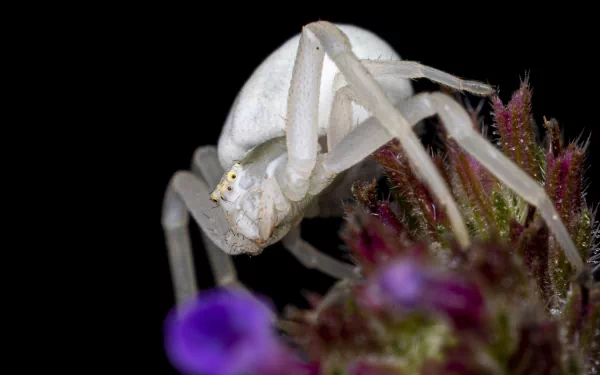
[222, 332]
[404, 283]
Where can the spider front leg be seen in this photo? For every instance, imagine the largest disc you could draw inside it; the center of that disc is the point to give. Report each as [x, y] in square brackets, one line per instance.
[175, 224]
[389, 70]
[186, 194]
[458, 123]
[390, 76]
[302, 119]
[370, 135]
[328, 37]
[312, 258]
[302, 178]
[205, 164]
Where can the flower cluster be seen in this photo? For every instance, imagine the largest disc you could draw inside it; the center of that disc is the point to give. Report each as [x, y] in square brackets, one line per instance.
[509, 304]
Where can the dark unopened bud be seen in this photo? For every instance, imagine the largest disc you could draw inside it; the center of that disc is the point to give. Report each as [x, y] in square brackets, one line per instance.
[515, 127]
[411, 285]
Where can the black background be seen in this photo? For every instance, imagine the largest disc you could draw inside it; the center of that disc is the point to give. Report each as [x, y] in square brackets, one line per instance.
[202, 59]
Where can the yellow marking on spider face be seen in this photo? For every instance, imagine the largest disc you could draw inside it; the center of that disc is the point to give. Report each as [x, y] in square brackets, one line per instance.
[231, 176]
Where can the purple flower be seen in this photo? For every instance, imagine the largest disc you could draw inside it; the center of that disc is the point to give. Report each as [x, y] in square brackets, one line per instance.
[404, 283]
[223, 332]
[413, 285]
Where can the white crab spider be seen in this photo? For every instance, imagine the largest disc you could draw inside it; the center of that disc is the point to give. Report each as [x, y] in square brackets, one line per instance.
[314, 86]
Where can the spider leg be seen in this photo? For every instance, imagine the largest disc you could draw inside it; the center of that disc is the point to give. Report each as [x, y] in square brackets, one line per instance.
[205, 164]
[350, 154]
[370, 135]
[328, 37]
[340, 118]
[389, 75]
[310, 257]
[459, 127]
[188, 193]
[302, 119]
[413, 70]
[458, 124]
[179, 250]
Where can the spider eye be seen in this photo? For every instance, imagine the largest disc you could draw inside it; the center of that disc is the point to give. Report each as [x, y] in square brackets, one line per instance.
[237, 165]
[229, 188]
[214, 198]
[231, 176]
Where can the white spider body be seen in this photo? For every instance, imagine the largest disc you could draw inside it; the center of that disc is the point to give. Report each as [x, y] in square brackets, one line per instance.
[300, 121]
[257, 123]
